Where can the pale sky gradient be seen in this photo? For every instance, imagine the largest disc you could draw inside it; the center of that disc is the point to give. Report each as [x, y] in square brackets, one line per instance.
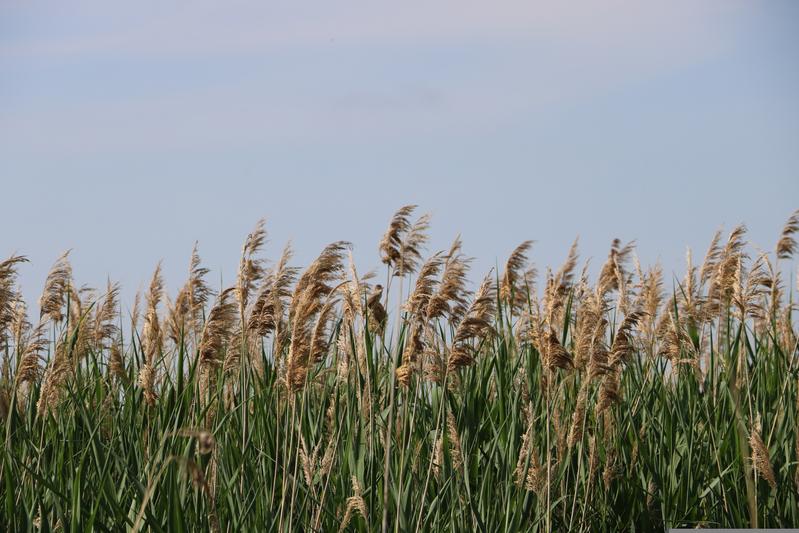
[130, 130]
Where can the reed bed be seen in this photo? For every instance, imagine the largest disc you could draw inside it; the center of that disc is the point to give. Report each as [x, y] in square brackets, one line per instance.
[324, 399]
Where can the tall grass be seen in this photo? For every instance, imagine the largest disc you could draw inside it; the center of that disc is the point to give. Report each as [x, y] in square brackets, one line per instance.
[315, 400]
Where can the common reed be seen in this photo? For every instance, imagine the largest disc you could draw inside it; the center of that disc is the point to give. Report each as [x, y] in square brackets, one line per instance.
[616, 398]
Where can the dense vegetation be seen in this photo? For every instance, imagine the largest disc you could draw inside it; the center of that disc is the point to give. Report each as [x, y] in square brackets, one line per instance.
[315, 400]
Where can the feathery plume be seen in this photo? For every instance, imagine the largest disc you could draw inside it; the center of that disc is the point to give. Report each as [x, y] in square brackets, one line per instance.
[152, 339]
[310, 293]
[29, 370]
[105, 315]
[56, 288]
[251, 270]
[391, 243]
[217, 331]
[760, 455]
[425, 286]
[268, 311]
[8, 294]
[517, 261]
[786, 246]
[410, 251]
[475, 325]
[354, 503]
[451, 298]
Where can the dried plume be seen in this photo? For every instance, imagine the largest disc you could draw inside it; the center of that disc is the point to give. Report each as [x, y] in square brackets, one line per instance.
[8, 294]
[268, 311]
[309, 298]
[56, 288]
[199, 292]
[29, 369]
[559, 285]
[217, 330]
[426, 283]
[475, 325]
[452, 297]
[411, 247]
[391, 243]
[105, 328]
[760, 455]
[514, 271]
[786, 246]
[623, 343]
[354, 503]
[555, 355]
[152, 338]
[251, 269]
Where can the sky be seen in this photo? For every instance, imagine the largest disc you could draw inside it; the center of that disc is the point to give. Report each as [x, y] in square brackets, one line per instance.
[130, 130]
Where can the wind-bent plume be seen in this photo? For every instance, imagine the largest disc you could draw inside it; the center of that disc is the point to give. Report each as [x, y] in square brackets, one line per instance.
[197, 290]
[475, 325]
[216, 333]
[623, 346]
[20, 325]
[517, 261]
[134, 312]
[612, 275]
[29, 370]
[786, 246]
[414, 347]
[559, 285]
[186, 314]
[392, 240]
[711, 259]
[152, 338]
[105, 328]
[760, 455]
[452, 297]
[268, 309]
[425, 286]
[411, 247]
[56, 287]
[8, 293]
[723, 281]
[251, 270]
[320, 336]
[555, 355]
[310, 295]
[352, 294]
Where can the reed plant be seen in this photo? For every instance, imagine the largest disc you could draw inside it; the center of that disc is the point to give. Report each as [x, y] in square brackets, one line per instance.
[319, 399]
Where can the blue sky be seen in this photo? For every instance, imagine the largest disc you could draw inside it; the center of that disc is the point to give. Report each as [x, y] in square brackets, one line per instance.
[129, 131]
